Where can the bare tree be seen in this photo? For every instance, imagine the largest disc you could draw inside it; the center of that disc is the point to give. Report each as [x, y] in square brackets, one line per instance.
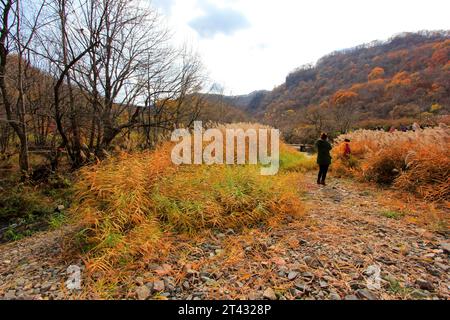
[318, 117]
[14, 38]
[343, 109]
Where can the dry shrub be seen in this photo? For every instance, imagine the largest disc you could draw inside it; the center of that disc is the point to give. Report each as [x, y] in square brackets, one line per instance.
[427, 173]
[129, 204]
[417, 162]
[385, 165]
[113, 203]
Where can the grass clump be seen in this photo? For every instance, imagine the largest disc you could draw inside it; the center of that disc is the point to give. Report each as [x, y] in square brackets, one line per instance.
[128, 206]
[416, 162]
[390, 214]
[293, 161]
[221, 197]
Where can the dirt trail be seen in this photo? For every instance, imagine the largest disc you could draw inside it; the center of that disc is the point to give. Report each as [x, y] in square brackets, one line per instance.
[333, 252]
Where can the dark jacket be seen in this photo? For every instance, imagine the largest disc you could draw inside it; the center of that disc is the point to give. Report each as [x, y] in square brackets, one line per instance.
[323, 152]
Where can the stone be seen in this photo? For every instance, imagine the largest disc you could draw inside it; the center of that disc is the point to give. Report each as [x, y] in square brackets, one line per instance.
[417, 294]
[323, 284]
[351, 297]
[186, 285]
[424, 285]
[442, 266]
[366, 294]
[301, 286]
[207, 280]
[445, 246]
[281, 273]
[356, 285]
[253, 296]
[295, 293]
[292, 275]
[46, 286]
[10, 295]
[308, 275]
[158, 286]
[334, 296]
[433, 271]
[205, 274]
[269, 294]
[139, 281]
[60, 208]
[143, 292]
[311, 262]
[20, 282]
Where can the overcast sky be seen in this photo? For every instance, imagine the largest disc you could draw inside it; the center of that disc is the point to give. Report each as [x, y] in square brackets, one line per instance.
[249, 45]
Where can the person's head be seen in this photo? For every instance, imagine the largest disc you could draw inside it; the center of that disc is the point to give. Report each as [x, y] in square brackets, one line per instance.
[347, 140]
[324, 136]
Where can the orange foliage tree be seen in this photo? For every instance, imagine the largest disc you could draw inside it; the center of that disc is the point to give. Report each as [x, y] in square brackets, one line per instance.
[376, 73]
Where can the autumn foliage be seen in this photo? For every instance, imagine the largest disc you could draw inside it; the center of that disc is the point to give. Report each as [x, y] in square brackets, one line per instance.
[127, 206]
[416, 162]
[370, 80]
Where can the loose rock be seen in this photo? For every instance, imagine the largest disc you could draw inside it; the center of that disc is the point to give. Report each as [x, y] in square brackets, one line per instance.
[270, 294]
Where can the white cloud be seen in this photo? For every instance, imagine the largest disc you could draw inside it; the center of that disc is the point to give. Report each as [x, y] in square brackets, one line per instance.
[218, 20]
[253, 44]
[164, 5]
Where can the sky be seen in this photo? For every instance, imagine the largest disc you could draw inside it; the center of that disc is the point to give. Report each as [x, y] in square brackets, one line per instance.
[248, 45]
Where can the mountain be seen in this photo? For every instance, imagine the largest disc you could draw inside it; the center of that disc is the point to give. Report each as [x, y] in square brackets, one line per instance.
[404, 76]
[241, 108]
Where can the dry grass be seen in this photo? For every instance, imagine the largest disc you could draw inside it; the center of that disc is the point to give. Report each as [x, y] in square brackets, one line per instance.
[131, 205]
[417, 162]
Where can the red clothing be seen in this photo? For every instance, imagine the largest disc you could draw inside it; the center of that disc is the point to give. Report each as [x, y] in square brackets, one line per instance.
[347, 151]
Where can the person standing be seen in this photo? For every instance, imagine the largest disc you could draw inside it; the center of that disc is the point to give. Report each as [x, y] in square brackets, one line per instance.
[347, 150]
[323, 158]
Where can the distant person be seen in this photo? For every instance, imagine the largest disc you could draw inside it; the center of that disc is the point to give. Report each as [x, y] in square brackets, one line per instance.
[347, 149]
[416, 127]
[323, 158]
[392, 130]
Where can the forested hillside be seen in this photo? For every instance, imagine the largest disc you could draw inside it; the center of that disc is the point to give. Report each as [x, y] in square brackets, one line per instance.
[407, 76]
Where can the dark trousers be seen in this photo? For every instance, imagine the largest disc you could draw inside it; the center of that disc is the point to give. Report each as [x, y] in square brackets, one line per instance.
[323, 173]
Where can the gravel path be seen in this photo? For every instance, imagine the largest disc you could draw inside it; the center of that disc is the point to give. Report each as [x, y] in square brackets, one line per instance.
[343, 248]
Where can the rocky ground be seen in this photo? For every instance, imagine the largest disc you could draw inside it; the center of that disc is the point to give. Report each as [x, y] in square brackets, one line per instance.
[343, 248]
